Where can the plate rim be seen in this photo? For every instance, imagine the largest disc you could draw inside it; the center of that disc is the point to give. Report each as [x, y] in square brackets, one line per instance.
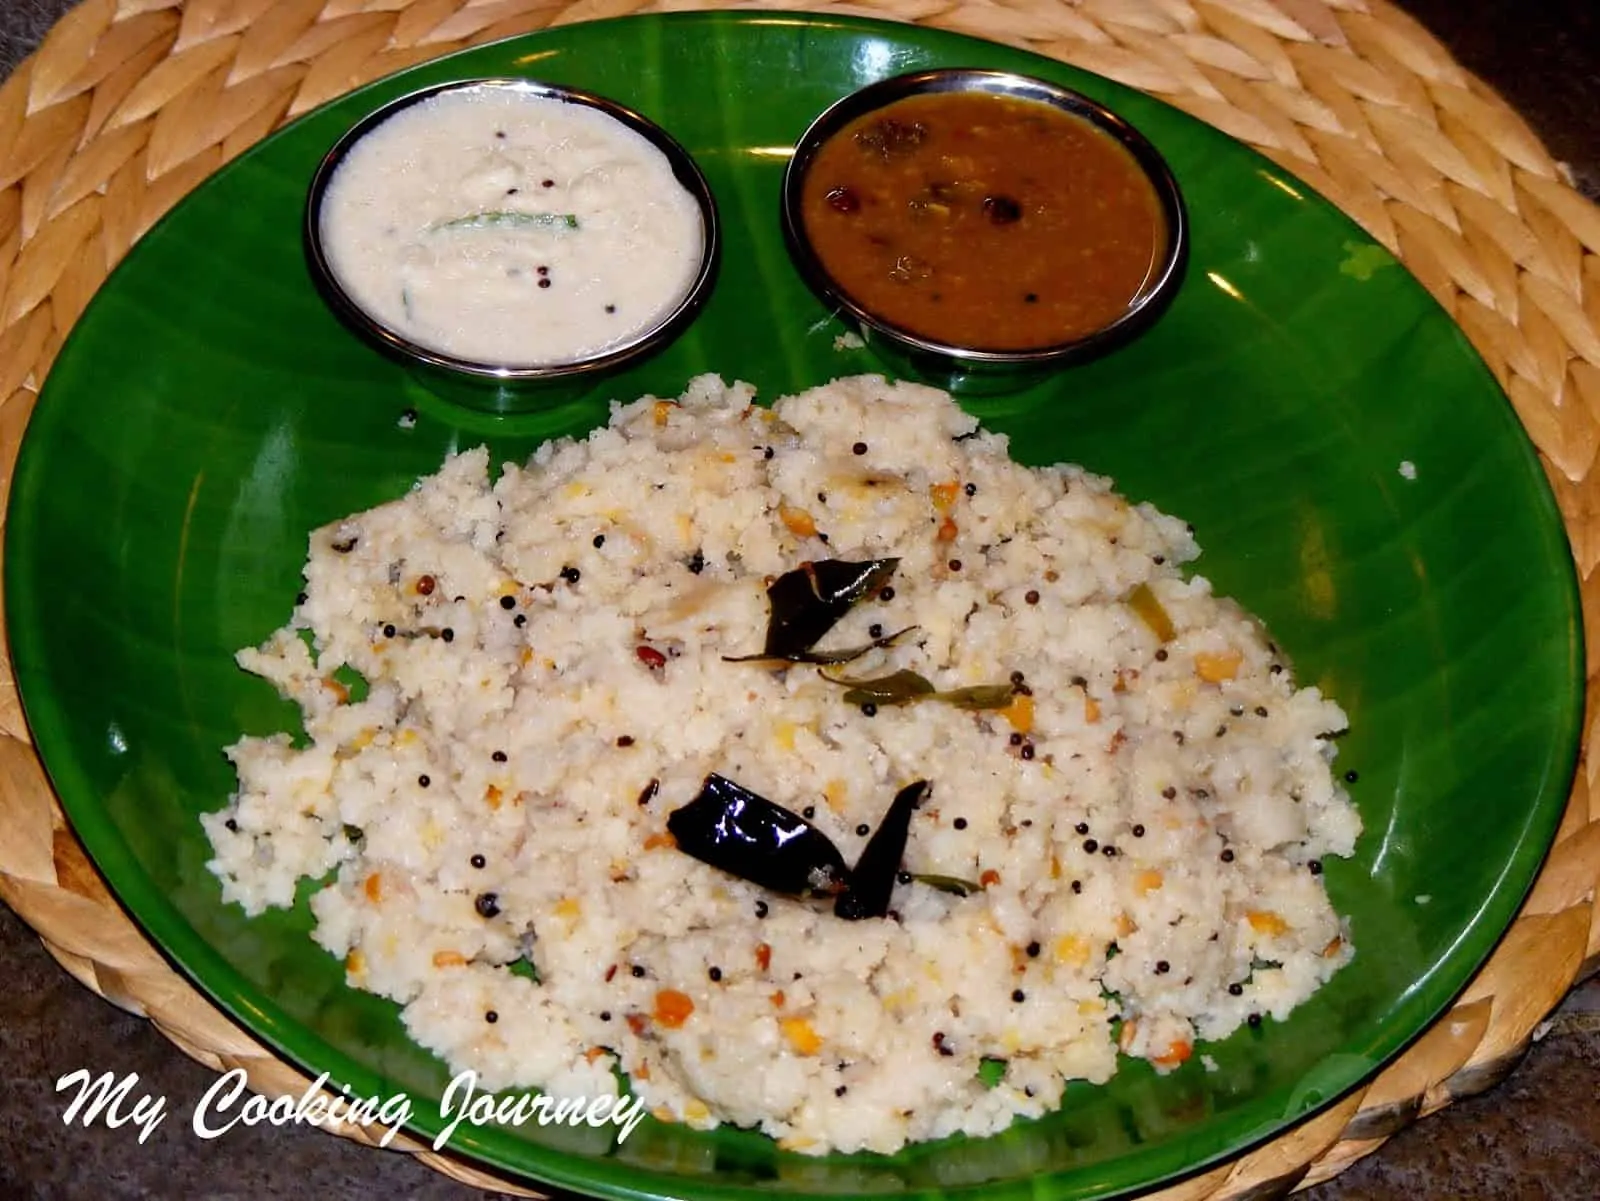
[16, 597]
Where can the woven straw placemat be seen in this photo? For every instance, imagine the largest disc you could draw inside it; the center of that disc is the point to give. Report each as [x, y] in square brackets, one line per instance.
[128, 104]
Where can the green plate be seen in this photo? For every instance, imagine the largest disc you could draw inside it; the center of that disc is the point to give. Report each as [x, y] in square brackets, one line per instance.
[208, 411]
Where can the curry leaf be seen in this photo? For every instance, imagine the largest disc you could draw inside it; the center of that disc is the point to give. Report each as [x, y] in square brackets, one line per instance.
[951, 884]
[980, 696]
[901, 688]
[906, 687]
[503, 219]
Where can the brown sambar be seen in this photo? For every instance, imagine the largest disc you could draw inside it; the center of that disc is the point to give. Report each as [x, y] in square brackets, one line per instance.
[983, 221]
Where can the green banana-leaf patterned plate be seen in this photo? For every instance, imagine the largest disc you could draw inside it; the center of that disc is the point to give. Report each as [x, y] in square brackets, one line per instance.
[1355, 475]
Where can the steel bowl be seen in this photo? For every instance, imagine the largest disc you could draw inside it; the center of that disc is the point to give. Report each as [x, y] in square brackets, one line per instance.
[970, 368]
[502, 387]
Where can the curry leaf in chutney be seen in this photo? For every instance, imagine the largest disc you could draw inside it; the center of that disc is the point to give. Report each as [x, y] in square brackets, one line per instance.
[502, 219]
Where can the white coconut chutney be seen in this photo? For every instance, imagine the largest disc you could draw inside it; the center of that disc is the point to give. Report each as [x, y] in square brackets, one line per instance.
[503, 226]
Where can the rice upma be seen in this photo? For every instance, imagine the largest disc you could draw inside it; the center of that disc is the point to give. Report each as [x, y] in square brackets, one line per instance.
[1115, 847]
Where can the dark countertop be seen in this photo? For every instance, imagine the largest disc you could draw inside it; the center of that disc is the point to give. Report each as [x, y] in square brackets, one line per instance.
[1535, 1136]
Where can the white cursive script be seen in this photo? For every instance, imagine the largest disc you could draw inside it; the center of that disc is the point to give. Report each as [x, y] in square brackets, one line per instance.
[514, 1111]
[109, 1095]
[314, 1107]
[229, 1102]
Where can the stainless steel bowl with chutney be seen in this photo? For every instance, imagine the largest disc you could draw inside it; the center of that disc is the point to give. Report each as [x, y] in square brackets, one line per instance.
[510, 240]
[983, 229]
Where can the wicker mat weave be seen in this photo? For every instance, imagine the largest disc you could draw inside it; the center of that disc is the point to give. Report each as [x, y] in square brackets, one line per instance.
[128, 104]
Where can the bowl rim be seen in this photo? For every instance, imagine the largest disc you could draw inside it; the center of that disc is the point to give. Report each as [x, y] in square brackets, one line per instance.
[684, 169]
[1156, 293]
